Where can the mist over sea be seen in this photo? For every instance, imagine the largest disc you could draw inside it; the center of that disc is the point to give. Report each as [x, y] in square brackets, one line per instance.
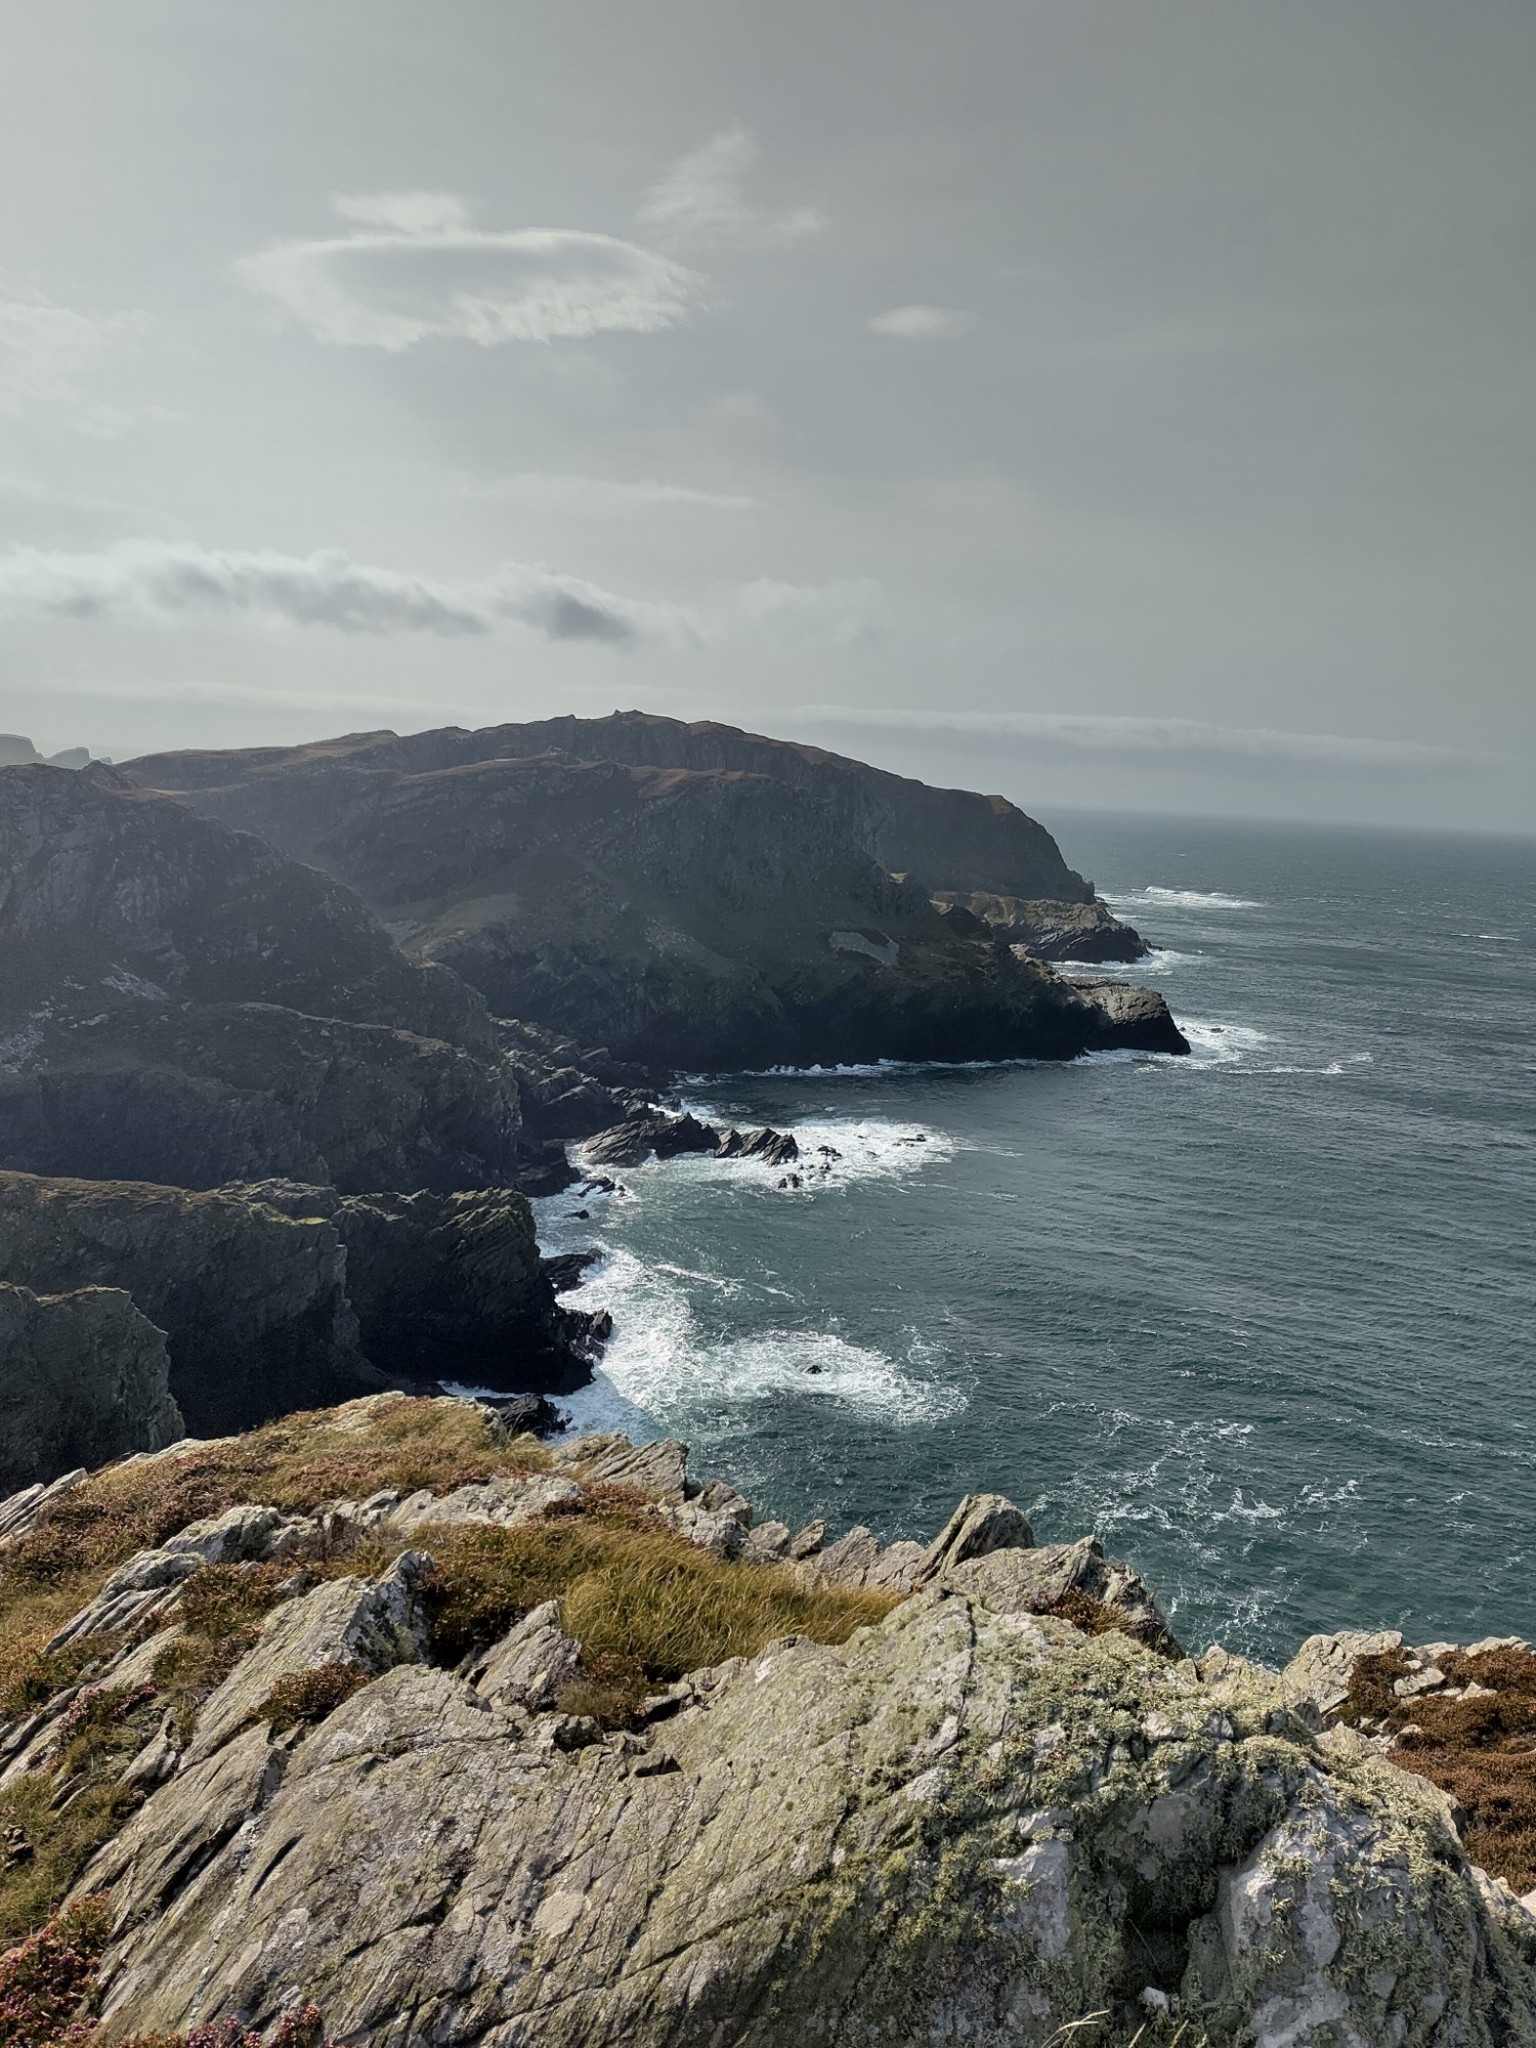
[1263, 1319]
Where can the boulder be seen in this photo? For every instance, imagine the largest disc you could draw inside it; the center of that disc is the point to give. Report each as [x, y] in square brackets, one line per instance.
[84, 1378]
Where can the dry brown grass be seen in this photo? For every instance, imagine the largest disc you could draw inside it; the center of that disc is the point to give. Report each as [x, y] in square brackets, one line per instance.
[294, 1464]
[1481, 1750]
[646, 1605]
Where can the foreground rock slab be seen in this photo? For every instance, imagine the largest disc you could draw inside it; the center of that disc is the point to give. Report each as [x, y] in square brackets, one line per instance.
[965, 1824]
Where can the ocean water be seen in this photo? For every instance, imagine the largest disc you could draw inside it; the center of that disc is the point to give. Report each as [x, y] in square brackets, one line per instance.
[1263, 1319]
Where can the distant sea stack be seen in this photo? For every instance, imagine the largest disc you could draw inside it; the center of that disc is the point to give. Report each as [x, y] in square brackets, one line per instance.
[686, 896]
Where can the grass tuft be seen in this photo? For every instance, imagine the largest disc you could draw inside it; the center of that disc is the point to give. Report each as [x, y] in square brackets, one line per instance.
[645, 1605]
[308, 1696]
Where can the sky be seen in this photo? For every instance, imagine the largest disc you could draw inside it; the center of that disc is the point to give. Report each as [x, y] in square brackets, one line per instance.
[1104, 403]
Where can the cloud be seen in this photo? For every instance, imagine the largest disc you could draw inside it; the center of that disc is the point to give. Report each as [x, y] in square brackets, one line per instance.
[1072, 732]
[793, 616]
[165, 584]
[699, 198]
[47, 352]
[415, 269]
[921, 323]
[606, 493]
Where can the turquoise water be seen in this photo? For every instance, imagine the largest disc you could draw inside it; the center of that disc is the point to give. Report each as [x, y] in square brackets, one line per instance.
[1262, 1319]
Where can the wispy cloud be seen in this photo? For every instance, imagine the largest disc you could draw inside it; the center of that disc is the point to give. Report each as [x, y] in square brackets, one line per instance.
[605, 493]
[413, 268]
[49, 352]
[165, 584]
[700, 198]
[921, 323]
[1074, 732]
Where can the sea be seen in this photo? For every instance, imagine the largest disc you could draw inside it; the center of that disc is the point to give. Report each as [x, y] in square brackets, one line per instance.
[1263, 1319]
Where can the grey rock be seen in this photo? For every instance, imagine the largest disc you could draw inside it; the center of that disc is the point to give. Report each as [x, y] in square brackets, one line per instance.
[84, 1379]
[531, 1666]
[982, 1523]
[961, 1825]
[1035, 1580]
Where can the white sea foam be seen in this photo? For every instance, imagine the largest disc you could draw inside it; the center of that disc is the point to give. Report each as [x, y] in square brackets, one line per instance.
[660, 1367]
[1186, 899]
[1158, 961]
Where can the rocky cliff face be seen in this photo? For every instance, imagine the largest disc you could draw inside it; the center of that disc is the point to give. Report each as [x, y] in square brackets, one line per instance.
[179, 1002]
[1050, 931]
[942, 838]
[679, 917]
[84, 1378]
[1001, 1806]
[253, 1302]
[279, 1297]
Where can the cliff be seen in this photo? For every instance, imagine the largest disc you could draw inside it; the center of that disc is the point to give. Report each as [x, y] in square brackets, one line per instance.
[680, 917]
[280, 1297]
[942, 838]
[84, 1378]
[181, 1003]
[555, 1748]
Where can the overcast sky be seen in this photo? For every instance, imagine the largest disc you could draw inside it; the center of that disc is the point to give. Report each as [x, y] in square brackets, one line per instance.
[1105, 401]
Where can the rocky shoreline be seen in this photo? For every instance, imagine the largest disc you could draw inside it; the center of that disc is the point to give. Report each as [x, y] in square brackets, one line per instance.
[454, 1777]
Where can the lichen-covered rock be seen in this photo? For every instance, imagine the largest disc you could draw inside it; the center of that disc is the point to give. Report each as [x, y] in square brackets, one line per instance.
[965, 1824]
[84, 1378]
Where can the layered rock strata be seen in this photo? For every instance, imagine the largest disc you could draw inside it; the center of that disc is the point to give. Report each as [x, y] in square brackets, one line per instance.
[973, 1820]
[84, 1378]
[1050, 931]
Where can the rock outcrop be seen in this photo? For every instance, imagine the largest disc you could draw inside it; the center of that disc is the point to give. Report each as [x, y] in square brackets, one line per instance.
[179, 1002]
[278, 1296]
[84, 1378]
[683, 917]
[993, 1813]
[253, 1303]
[450, 1287]
[1050, 931]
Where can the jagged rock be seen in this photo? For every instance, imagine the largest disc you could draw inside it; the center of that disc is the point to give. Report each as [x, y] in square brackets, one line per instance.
[962, 1824]
[1318, 1676]
[1048, 930]
[651, 1135]
[450, 1287]
[773, 1148]
[371, 1627]
[566, 1270]
[659, 1468]
[21, 1510]
[253, 1303]
[982, 1523]
[84, 1378]
[690, 915]
[1038, 1580]
[179, 1003]
[531, 1666]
